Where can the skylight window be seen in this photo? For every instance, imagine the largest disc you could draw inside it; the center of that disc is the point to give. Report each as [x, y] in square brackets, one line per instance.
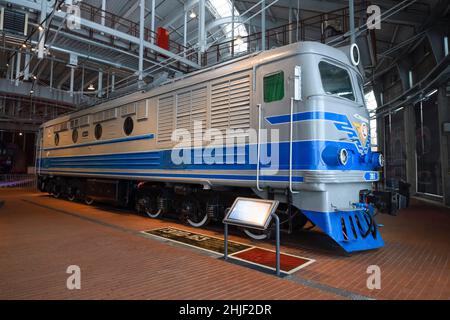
[223, 9]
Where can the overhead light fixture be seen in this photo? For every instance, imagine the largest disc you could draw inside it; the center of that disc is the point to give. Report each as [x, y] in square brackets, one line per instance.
[24, 45]
[41, 28]
[34, 77]
[31, 91]
[20, 134]
[192, 15]
[238, 41]
[91, 87]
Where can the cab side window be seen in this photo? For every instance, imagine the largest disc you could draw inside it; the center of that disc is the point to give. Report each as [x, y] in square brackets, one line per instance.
[274, 87]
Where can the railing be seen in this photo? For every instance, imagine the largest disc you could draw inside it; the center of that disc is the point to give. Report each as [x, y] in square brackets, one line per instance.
[321, 27]
[22, 181]
[315, 28]
[114, 21]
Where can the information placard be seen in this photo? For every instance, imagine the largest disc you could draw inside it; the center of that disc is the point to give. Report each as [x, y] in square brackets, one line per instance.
[252, 213]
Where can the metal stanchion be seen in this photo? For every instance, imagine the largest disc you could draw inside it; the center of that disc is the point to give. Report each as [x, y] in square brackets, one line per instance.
[277, 230]
[226, 242]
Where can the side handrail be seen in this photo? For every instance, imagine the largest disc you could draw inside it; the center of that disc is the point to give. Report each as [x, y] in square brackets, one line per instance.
[258, 148]
[291, 134]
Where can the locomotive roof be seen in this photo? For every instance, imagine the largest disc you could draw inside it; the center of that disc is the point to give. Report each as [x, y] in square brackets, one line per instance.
[235, 65]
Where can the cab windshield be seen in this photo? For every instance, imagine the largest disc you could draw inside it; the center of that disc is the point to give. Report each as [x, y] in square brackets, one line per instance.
[336, 81]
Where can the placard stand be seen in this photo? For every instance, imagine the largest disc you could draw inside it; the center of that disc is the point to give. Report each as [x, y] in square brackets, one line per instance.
[277, 231]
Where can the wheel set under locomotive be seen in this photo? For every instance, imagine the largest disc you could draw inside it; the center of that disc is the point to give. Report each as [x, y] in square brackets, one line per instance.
[189, 203]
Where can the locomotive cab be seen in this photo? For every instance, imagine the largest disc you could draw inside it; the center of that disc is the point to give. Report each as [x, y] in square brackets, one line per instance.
[332, 169]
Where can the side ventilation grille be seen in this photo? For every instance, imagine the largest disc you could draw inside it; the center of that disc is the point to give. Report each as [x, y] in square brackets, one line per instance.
[230, 104]
[192, 108]
[165, 118]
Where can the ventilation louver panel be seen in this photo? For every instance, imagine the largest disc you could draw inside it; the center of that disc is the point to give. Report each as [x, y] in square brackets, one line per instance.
[192, 111]
[14, 21]
[105, 115]
[61, 127]
[230, 104]
[165, 118]
[127, 110]
[79, 122]
[142, 110]
[84, 121]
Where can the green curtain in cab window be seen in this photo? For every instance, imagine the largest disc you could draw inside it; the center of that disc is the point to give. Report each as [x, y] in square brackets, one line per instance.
[274, 87]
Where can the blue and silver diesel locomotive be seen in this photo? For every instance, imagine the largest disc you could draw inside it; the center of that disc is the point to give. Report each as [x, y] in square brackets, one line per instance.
[309, 93]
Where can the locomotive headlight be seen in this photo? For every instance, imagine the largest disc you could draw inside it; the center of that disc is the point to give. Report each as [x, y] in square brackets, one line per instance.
[378, 160]
[343, 156]
[381, 160]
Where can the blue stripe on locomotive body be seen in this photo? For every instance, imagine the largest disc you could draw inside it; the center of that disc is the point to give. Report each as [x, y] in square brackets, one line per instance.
[236, 177]
[306, 156]
[341, 122]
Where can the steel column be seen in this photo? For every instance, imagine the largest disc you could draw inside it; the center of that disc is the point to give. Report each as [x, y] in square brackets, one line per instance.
[103, 12]
[42, 18]
[100, 84]
[141, 40]
[82, 80]
[26, 70]
[51, 74]
[152, 27]
[113, 82]
[201, 28]
[263, 25]
[232, 26]
[18, 60]
[72, 79]
[351, 7]
[185, 33]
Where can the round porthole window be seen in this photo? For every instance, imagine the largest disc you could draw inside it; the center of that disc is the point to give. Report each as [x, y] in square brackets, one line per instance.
[75, 135]
[98, 131]
[56, 139]
[128, 126]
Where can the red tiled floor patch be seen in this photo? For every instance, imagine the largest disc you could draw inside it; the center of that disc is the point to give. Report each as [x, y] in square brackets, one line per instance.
[266, 258]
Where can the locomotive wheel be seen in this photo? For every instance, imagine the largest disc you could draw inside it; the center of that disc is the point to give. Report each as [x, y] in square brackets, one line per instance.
[258, 234]
[195, 217]
[43, 185]
[88, 200]
[72, 194]
[56, 191]
[150, 207]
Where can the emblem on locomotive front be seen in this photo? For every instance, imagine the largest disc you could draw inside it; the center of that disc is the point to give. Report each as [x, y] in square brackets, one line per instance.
[363, 132]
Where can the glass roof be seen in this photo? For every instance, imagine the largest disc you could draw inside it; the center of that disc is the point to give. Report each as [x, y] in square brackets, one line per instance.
[223, 9]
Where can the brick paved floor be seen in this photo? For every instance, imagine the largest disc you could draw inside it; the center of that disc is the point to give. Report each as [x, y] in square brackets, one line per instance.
[41, 236]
